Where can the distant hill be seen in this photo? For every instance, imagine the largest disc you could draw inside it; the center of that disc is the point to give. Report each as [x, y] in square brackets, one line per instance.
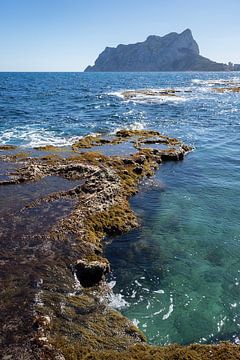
[172, 52]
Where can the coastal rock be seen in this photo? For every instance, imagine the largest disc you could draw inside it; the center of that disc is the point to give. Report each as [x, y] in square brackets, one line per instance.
[173, 155]
[172, 52]
[49, 313]
[148, 92]
[228, 89]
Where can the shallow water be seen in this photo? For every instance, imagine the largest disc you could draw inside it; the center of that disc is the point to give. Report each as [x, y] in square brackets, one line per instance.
[178, 275]
[17, 196]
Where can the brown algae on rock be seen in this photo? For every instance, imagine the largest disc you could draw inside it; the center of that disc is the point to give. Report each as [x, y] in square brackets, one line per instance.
[54, 296]
[90, 141]
[51, 148]
[151, 94]
[130, 94]
[8, 147]
[227, 89]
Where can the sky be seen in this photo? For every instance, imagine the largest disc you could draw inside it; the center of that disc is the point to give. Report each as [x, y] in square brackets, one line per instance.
[68, 35]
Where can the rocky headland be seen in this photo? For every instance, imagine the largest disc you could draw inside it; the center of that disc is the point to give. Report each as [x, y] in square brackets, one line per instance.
[58, 206]
[172, 52]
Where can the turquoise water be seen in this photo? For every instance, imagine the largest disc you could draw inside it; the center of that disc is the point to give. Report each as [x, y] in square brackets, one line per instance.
[177, 276]
[179, 273]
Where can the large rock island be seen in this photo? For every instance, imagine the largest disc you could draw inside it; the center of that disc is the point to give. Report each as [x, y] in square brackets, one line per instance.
[172, 52]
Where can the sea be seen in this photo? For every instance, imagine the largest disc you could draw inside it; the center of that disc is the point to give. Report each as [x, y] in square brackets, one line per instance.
[177, 276]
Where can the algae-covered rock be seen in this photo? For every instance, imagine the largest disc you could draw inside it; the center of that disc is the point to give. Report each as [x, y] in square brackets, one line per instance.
[227, 89]
[89, 141]
[130, 94]
[51, 309]
[51, 148]
[128, 133]
[8, 147]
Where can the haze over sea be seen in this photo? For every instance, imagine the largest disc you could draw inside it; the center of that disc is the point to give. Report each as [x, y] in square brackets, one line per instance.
[178, 275]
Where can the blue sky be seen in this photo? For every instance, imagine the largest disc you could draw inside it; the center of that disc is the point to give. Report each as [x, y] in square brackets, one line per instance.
[68, 35]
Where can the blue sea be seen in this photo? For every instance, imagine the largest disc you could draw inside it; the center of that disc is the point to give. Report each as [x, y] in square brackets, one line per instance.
[177, 276]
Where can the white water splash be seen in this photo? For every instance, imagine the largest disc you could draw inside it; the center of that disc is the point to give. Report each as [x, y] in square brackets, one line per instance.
[30, 137]
[156, 98]
[170, 310]
[116, 301]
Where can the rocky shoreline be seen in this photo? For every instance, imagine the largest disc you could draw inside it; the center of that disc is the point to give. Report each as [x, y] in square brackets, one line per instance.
[54, 294]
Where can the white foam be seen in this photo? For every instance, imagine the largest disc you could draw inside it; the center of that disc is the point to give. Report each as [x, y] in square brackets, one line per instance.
[133, 294]
[117, 93]
[111, 284]
[159, 291]
[170, 309]
[156, 99]
[138, 283]
[144, 98]
[117, 301]
[221, 323]
[30, 137]
[136, 322]
[158, 312]
[213, 82]
[136, 125]
[237, 341]
[148, 305]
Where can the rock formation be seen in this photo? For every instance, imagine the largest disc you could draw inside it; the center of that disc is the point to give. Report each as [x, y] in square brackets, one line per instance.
[54, 296]
[172, 52]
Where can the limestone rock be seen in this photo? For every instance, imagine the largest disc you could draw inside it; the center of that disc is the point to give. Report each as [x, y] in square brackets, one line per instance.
[172, 52]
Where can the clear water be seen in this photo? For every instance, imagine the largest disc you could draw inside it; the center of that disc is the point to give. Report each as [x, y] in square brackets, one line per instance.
[178, 275]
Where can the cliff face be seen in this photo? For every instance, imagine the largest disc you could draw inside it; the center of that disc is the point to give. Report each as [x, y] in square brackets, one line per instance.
[172, 52]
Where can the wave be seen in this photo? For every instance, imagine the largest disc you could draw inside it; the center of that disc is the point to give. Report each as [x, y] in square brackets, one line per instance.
[136, 125]
[29, 137]
[152, 96]
[214, 82]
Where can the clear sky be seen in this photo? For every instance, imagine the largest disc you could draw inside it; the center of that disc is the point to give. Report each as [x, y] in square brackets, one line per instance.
[68, 35]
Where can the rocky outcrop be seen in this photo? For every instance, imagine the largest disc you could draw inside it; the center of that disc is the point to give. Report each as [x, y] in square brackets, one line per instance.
[54, 298]
[172, 52]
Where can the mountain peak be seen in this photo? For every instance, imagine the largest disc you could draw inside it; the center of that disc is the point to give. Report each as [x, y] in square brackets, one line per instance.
[187, 32]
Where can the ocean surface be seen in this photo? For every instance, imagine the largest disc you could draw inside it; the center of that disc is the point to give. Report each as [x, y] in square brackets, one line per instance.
[177, 276]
